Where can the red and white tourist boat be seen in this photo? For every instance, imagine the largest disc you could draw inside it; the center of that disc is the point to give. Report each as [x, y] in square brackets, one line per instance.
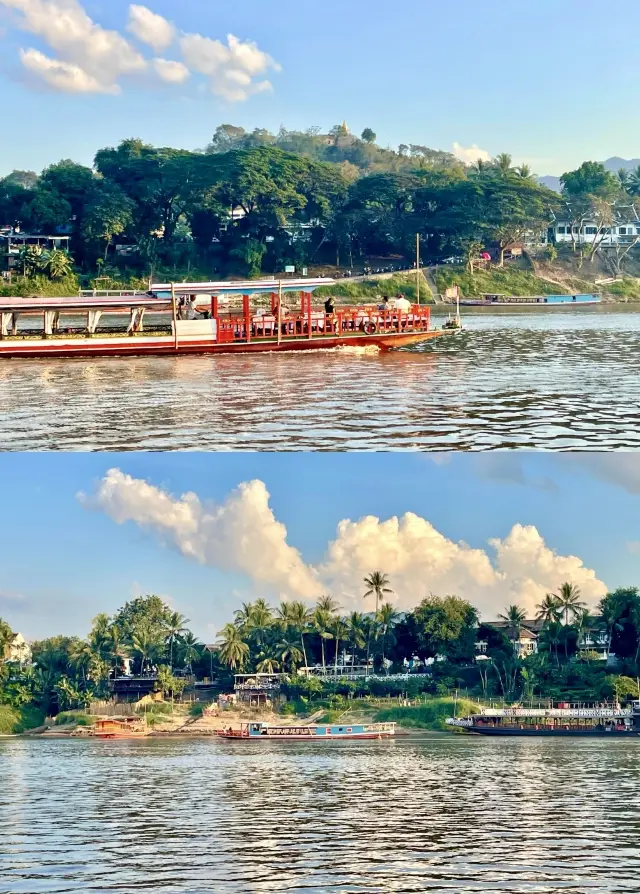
[196, 318]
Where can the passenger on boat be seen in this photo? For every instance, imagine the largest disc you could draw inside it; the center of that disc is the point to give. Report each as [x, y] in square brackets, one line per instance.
[385, 304]
[329, 306]
[402, 303]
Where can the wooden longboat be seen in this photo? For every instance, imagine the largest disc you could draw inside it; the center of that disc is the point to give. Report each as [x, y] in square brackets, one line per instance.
[191, 321]
[120, 728]
[258, 731]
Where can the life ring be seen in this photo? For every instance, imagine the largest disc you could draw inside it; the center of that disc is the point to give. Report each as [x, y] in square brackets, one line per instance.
[371, 328]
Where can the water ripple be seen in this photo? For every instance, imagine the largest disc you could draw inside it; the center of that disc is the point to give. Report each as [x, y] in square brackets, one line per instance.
[424, 813]
[556, 381]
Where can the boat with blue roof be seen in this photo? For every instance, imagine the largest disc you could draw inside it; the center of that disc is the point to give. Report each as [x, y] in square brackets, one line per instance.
[259, 731]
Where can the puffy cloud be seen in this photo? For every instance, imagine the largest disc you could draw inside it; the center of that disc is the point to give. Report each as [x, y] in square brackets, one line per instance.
[242, 535]
[92, 59]
[171, 72]
[470, 154]
[63, 76]
[90, 56]
[231, 68]
[151, 28]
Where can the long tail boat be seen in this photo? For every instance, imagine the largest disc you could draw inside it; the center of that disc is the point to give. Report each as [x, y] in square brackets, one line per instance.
[256, 731]
[120, 728]
[561, 721]
[189, 318]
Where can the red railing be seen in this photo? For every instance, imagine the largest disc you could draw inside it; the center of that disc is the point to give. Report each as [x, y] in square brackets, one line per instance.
[318, 324]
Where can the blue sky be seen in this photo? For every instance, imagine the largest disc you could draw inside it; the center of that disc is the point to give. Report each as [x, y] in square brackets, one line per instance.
[551, 82]
[64, 561]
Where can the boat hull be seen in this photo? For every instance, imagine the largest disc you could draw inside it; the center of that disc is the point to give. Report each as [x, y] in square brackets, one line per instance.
[142, 345]
[574, 733]
[300, 738]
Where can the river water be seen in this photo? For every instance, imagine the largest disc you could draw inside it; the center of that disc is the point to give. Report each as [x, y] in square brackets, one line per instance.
[554, 380]
[429, 812]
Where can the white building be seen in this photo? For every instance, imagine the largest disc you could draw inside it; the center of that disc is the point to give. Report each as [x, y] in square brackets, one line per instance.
[19, 650]
[587, 231]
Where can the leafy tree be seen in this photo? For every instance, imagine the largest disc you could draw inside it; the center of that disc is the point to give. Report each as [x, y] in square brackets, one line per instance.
[108, 213]
[368, 135]
[446, 626]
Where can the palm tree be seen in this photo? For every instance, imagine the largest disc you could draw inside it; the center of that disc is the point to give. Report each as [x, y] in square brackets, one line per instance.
[524, 172]
[176, 626]
[58, 264]
[81, 656]
[611, 611]
[623, 178]
[503, 163]
[268, 665]
[288, 651]
[548, 609]
[585, 622]
[378, 585]
[6, 638]
[328, 604]
[147, 646]
[190, 650]
[356, 633]
[321, 620]
[515, 617]
[387, 616]
[338, 630]
[569, 602]
[233, 652]
[297, 616]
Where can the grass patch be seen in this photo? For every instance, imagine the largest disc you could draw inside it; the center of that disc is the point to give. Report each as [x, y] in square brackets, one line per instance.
[628, 288]
[501, 281]
[355, 292]
[17, 720]
[197, 709]
[431, 715]
[77, 717]
[41, 286]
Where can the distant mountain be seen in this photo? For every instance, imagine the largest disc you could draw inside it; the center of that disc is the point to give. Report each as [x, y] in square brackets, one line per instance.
[551, 182]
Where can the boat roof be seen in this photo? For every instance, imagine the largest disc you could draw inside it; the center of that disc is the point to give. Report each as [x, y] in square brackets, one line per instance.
[73, 302]
[243, 287]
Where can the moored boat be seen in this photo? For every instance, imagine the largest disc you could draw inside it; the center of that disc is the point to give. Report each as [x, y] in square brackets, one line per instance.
[120, 728]
[491, 300]
[560, 721]
[255, 731]
[152, 323]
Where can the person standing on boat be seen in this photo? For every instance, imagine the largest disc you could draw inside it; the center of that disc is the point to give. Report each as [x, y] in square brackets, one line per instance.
[329, 306]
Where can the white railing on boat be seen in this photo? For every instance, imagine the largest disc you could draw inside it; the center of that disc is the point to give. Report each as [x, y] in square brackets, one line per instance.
[555, 712]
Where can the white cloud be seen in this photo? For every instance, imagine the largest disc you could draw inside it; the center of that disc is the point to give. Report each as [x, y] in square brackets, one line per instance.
[171, 72]
[240, 534]
[63, 76]
[470, 154]
[633, 546]
[89, 54]
[622, 469]
[243, 535]
[151, 28]
[91, 59]
[231, 68]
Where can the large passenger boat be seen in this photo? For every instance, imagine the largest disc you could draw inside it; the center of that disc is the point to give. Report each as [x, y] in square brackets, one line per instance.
[561, 721]
[255, 731]
[195, 318]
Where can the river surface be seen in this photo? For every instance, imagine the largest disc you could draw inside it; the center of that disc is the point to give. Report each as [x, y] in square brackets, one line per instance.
[428, 812]
[557, 380]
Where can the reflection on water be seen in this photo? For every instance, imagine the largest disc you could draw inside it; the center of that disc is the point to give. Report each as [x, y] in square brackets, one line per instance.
[554, 380]
[424, 813]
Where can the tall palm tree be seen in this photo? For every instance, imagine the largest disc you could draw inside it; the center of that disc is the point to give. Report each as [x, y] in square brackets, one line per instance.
[176, 626]
[80, 658]
[377, 585]
[338, 630]
[623, 178]
[503, 163]
[147, 646]
[288, 651]
[328, 604]
[387, 617]
[524, 172]
[548, 609]
[297, 616]
[234, 652]
[321, 620]
[6, 638]
[356, 633]
[189, 649]
[633, 184]
[569, 602]
[268, 665]
[515, 617]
